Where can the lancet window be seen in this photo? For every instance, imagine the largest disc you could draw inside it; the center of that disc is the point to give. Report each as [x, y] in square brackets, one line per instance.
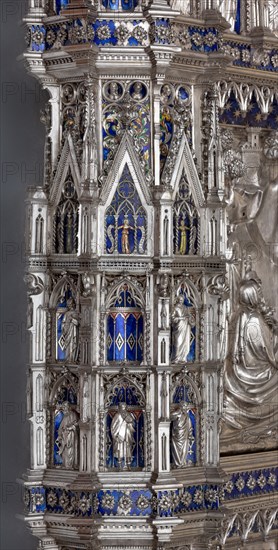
[125, 327]
[186, 221]
[126, 219]
[39, 234]
[66, 220]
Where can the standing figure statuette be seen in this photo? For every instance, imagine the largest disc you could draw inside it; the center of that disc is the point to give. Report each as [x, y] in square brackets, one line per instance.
[122, 430]
[67, 440]
[181, 433]
[182, 321]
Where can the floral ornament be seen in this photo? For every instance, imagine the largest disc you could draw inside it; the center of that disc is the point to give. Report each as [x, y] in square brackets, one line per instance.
[27, 37]
[221, 494]
[211, 495]
[251, 483]
[227, 49]
[103, 32]
[197, 39]
[84, 504]
[62, 35]
[175, 500]
[90, 33]
[265, 60]
[122, 33]
[125, 505]
[64, 500]
[235, 52]
[229, 487]
[186, 499]
[72, 505]
[77, 34]
[51, 499]
[210, 39]
[272, 479]
[183, 38]
[198, 496]
[161, 34]
[39, 499]
[261, 481]
[165, 502]
[108, 501]
[240, 484]
[38, 37]
[142, 503]
[274, 60]
[50, 37]
[140, 34]
[26, 498]
[245, 56]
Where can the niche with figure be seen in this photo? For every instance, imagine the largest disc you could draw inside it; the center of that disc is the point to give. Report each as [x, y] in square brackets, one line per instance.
[66, 425]
[67, 328]
[183, 326]
[126, 220]
[125, 420]
[183, 430]
[185, 221]
[66, 220]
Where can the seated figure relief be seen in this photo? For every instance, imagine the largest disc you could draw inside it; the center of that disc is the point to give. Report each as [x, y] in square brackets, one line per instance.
[251, 374]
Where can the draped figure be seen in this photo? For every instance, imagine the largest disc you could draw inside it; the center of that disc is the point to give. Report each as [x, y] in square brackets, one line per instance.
[182, 321]
[70, 332]
[67, 440]
[251, 373]
[122, 430]
[180, 435]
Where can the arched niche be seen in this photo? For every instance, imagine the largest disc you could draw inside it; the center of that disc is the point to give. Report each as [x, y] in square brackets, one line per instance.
[64, 308]
[64, 438]
[66, 220]
[128, 391]
[126, 219]
[185, 422]
[125, 323]
[188, 328]
[186, 221]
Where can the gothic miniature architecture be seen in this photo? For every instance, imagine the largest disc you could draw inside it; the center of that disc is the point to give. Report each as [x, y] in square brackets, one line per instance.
[151, 242]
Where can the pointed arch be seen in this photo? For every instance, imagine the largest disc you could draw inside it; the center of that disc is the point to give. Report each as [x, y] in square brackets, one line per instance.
[186, 220]
[125, 320]
[185, 164]
[64, 285]
[67, 163]
[66, 220]
[126, 198]
[64, 389]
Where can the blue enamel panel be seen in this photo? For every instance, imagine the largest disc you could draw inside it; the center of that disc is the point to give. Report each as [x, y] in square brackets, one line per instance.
[57, 421]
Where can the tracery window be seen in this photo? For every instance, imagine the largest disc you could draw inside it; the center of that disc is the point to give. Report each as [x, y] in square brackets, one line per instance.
[125, 327]
[66, 220]
[39, 234]
[126, 219]
[186, 221]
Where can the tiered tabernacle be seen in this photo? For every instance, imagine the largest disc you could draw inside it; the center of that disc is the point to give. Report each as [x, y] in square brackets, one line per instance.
[151, 243]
